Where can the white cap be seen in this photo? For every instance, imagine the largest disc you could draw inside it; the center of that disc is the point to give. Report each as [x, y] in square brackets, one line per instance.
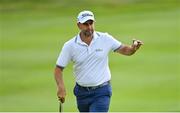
[85, 16]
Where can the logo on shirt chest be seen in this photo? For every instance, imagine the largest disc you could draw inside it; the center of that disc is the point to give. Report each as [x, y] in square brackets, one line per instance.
[98, 50]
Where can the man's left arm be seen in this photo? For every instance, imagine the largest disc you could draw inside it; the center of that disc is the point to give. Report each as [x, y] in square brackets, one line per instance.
[129, 50]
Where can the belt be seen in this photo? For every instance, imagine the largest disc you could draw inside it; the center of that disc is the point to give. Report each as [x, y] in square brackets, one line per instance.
[94, 87]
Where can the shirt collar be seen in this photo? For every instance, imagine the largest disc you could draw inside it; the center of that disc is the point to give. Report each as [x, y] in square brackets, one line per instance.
[79, 41]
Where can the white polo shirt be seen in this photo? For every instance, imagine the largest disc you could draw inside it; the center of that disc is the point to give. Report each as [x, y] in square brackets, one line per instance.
[90, 63]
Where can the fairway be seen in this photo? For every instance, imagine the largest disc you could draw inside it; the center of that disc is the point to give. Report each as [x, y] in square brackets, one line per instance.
[33, 33]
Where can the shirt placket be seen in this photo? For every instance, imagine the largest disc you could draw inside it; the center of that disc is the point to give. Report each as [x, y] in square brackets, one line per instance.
[89, 49]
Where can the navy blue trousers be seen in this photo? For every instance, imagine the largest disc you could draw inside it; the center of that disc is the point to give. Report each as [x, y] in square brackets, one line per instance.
[93, 100]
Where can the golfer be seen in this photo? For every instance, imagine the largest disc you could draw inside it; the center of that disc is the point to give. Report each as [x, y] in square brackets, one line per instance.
[88, 51]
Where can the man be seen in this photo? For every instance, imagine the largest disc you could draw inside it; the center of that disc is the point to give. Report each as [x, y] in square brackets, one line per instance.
[89, 53]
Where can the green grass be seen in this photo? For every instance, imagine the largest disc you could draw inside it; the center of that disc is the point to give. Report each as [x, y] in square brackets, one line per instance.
[32, 34]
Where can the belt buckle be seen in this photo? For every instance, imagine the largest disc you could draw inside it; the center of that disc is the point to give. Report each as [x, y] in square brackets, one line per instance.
[88, 88]
[93, 88]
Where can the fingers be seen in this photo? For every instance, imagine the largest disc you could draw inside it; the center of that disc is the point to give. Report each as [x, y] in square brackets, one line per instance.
[61, 99]
[136, 44]
[61, 93]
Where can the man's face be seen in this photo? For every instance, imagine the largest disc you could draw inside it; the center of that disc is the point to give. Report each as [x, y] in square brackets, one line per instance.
[87, 28]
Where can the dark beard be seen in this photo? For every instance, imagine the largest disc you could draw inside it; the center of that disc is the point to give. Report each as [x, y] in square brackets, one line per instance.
[87, 33]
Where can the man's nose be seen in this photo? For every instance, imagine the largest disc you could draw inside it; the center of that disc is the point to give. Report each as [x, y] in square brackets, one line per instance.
[89, 25]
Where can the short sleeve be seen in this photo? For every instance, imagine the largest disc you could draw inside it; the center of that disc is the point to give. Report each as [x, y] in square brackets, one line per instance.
[114, 44]
[64, 56]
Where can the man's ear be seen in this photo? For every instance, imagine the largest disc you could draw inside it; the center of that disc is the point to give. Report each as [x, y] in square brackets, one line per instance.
[79, 26]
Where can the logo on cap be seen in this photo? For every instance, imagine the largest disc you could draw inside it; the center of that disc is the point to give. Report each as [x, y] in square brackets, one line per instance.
[84, 15]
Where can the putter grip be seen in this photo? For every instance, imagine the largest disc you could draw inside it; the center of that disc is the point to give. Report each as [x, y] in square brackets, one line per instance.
[60, 107]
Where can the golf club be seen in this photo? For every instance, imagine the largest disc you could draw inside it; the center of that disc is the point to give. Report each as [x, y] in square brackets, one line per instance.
[60, 107]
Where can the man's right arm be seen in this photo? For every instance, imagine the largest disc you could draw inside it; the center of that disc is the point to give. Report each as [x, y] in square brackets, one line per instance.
[58, 75]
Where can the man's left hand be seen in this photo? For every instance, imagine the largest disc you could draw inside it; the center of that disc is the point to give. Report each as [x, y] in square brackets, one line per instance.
[136, 44]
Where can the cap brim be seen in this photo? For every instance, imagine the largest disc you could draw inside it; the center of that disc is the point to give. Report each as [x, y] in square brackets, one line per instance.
[86, 19]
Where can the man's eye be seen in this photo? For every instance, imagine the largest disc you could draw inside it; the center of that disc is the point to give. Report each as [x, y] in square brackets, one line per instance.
[90, 23]
[85, 23]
